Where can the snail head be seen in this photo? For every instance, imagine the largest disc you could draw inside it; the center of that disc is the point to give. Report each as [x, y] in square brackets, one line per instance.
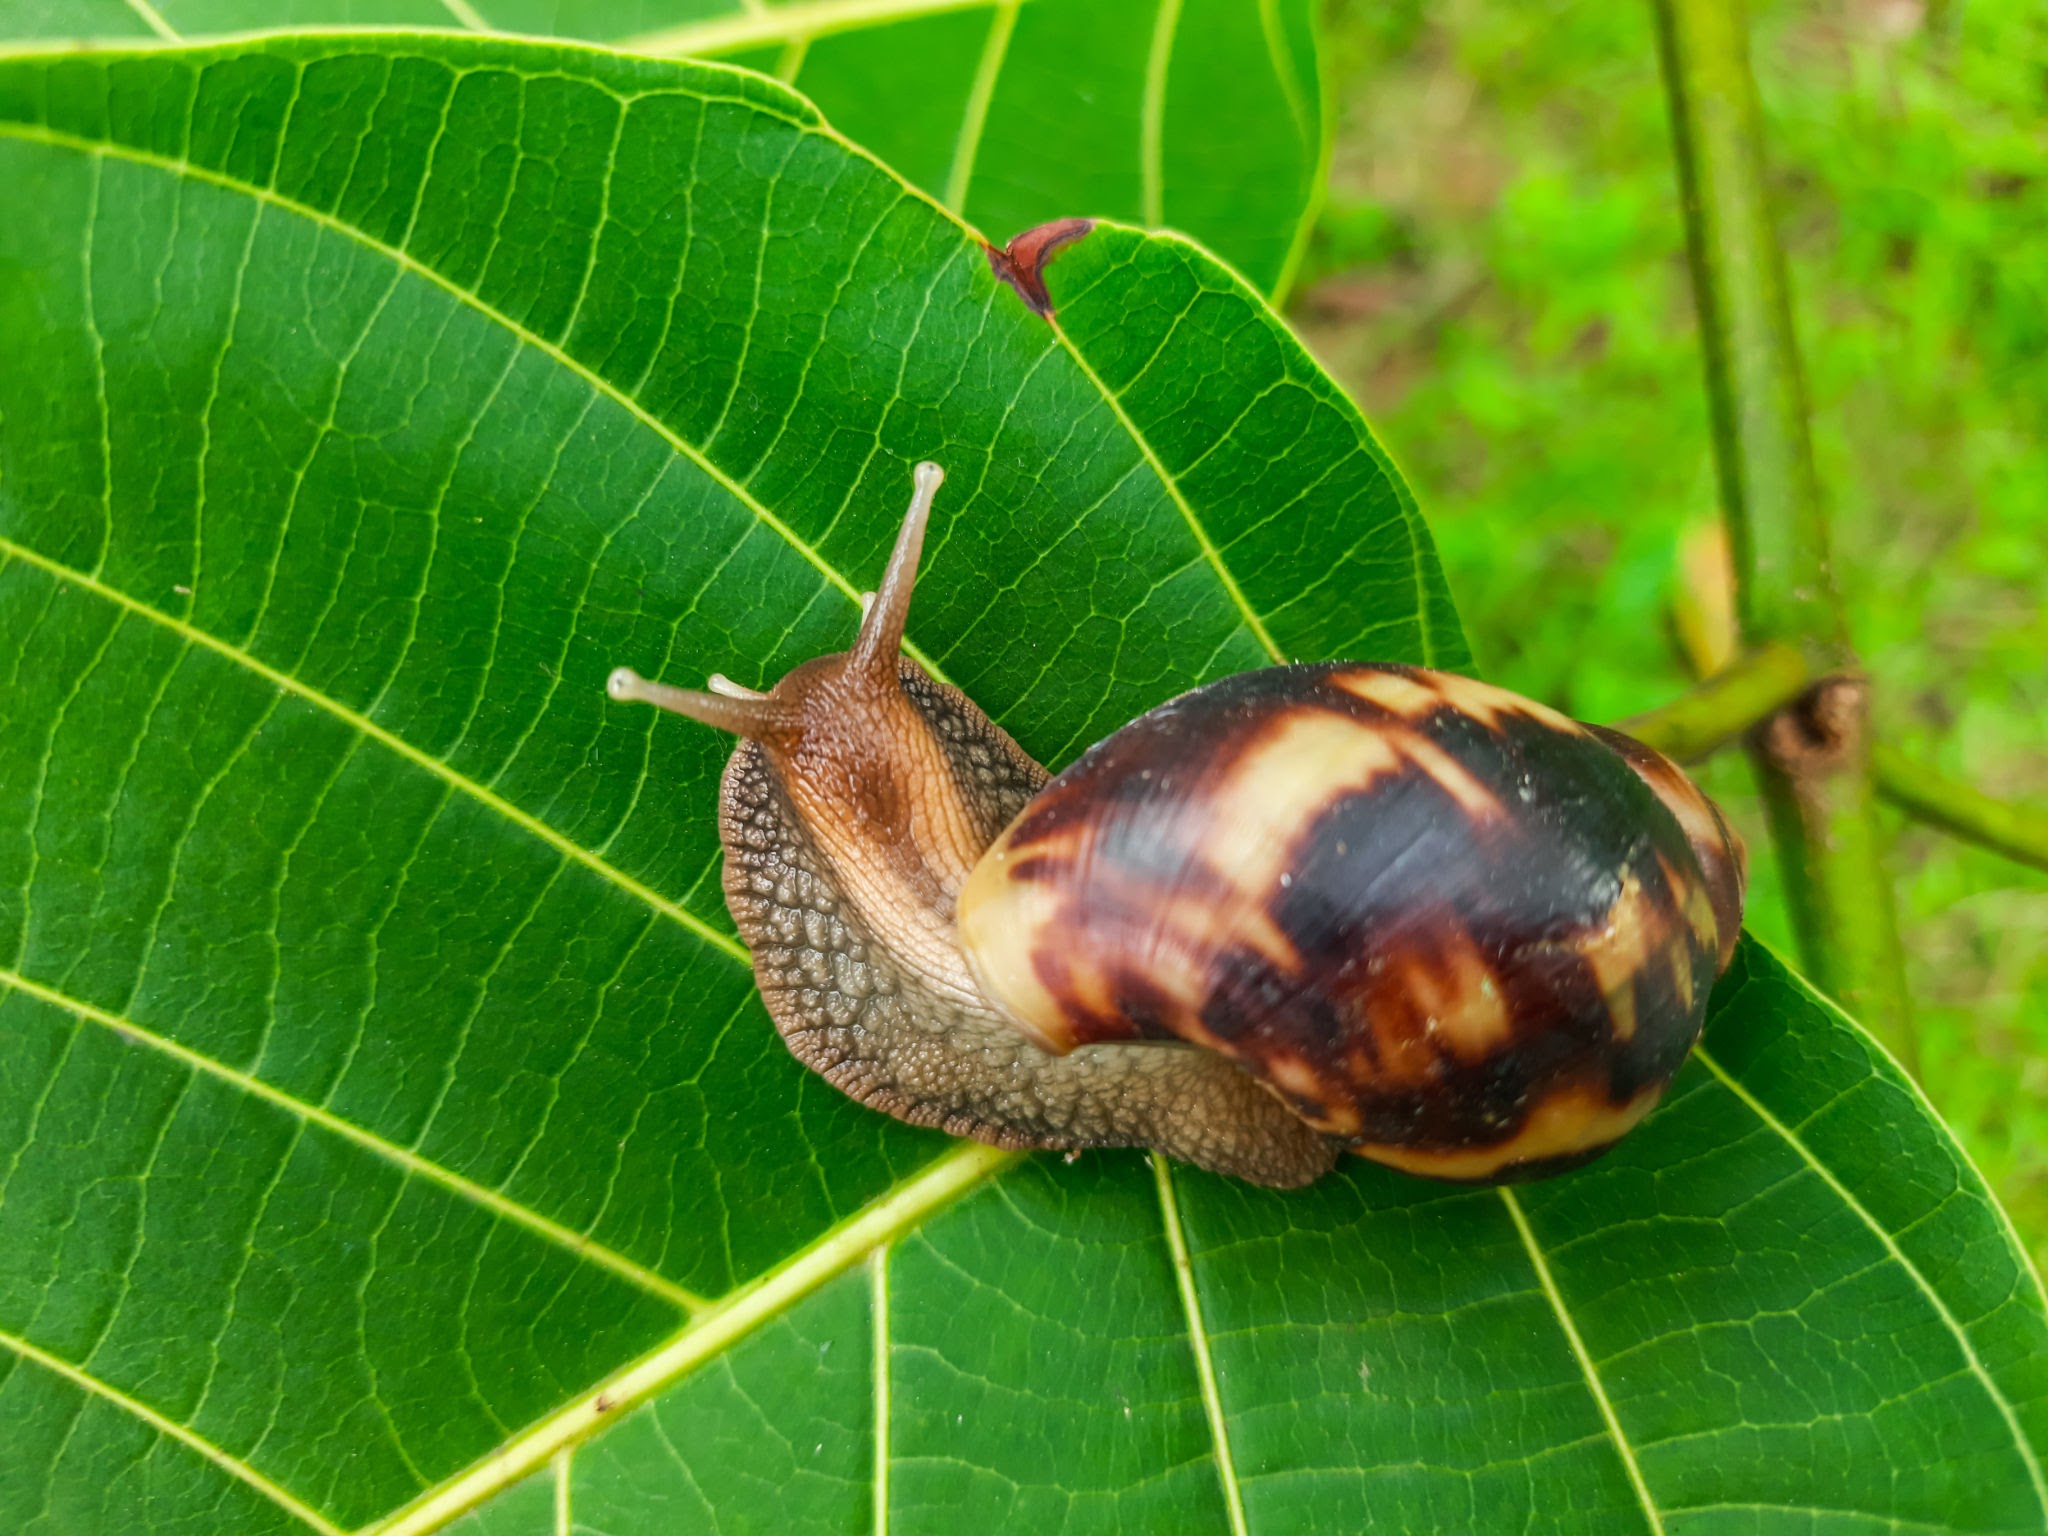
[849, 739]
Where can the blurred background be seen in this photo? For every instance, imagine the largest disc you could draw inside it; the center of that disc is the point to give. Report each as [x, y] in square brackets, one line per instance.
[1499, 278]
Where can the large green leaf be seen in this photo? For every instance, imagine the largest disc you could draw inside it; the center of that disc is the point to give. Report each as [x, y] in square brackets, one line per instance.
[1200, 115]
[383, 1102]
[1711, 1331]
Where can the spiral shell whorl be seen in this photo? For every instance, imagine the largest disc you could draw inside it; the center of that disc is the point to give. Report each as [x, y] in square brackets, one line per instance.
[1463, 934]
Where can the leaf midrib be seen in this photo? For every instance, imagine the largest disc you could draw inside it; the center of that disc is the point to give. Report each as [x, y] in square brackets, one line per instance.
[785, 23]
[940, 1184]
[795, 1278]
[773, 1296]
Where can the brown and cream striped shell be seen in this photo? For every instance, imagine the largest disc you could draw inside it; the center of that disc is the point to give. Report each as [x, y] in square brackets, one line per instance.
[1453, 929]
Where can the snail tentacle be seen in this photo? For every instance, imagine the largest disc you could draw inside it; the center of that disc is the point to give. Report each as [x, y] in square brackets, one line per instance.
[744, 713]
[883, 620]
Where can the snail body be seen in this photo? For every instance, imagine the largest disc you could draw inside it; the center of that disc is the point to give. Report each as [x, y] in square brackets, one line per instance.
[1287, 914]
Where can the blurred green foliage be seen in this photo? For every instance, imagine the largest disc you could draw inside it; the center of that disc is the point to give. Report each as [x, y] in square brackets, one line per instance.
[1499, 276]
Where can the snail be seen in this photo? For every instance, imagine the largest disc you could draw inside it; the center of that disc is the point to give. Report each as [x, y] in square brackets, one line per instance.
[1290, 913]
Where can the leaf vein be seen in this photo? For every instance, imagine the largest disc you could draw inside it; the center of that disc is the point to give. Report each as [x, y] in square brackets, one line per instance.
[32, 863]
[1999, 1400]
[410, 1163]
[622, 110]
[1198, 1343]
[1152, 114]
[577, 607]
[368, 1356]
[940, 1184]
[303, 468]
[878, 1273]
[434, 509]
[170, 1428]
[785, 23]
[230, 1308]
[183, 841]
[767, 234]
[1583, 1356]
[1171, 485]
[83, 950]
[206, 410]
[408, 263]
[153, 19]
[813, 345]
[974, 116]
[397, 744]
[99, 361]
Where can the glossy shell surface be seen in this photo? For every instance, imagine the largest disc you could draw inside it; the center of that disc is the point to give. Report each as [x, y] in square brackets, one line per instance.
[1453, 928]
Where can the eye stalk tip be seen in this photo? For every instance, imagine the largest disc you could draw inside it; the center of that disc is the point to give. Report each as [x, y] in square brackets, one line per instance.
[881, 625]
[626, 685]
[725, 687]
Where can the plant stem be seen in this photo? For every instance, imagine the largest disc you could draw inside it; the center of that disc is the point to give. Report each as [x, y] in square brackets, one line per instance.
[1811, 760]
[1751, 688]
[2020, 832]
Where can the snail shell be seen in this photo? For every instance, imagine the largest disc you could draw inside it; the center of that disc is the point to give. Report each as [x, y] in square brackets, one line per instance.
[1289, 913]
[1450, 927]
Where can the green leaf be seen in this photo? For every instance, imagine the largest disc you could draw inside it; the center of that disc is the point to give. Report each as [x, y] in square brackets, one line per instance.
[1198, 115]
[1791, 1305]
[384, 1105]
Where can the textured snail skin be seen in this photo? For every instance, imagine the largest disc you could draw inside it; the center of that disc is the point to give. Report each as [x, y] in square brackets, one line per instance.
[1290, 913]
[855, 958]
